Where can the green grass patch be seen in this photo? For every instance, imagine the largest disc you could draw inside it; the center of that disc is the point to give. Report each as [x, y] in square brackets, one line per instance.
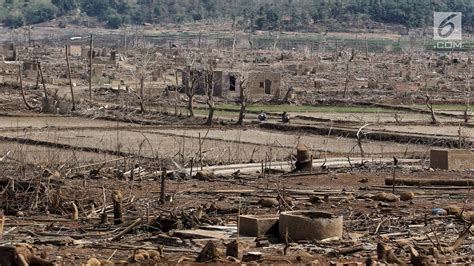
[306, 108]
[445, 107]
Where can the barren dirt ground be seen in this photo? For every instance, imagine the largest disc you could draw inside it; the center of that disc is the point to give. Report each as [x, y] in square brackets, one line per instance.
[342, 191]
[118, 182]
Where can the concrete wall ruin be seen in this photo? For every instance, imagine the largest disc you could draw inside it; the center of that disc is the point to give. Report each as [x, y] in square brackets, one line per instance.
[264, 84]
[452, 159]
[227, 83]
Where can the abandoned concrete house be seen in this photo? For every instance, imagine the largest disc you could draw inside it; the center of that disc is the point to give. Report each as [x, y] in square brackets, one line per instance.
[8, 52]
[227, 83]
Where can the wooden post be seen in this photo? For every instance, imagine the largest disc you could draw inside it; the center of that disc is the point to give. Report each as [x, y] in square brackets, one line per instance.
[91, 47]
[29, 36]
[142, 95]
[200, 150]
[75, 212]
[117, 200]
[163, 192]
[103, 217]
[347, 80]
[366, 48]
[233, 44]
[238, 221]
[2, 224]
[37, 77]
[192, 165]
[176, 94]
[70, 79]
[395, 163]
[42, 81]
[22, 91]
[199, 40]
[125, 39]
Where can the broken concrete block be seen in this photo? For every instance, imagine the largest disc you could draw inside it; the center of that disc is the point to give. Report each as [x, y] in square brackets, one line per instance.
[468, 216]
[315, 200]
[208, 253]
[252, 256]
[305, 258]
[262, 242]
[386, 197]
[302, 153]
[304, 161]
[21, 254]
[145, 256]
[451, 159]
[93, 262]
[205, 175]
[257, 226]
[309, 225]
[453, 210]
[406, 195]
[268, 202]
[236, 249]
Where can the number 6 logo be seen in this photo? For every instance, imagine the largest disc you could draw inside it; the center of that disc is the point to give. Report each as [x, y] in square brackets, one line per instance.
[447, 26]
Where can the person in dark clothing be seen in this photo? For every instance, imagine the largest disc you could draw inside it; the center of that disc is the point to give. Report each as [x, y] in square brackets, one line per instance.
[285, 118]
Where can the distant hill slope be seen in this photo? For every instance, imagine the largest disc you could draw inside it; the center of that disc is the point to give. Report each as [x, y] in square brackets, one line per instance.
[288, 15]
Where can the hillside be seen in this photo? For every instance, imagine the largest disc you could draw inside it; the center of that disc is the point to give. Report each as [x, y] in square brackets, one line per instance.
[290, 15]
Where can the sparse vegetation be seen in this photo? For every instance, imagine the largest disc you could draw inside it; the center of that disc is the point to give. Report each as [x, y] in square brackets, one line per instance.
[261, 15]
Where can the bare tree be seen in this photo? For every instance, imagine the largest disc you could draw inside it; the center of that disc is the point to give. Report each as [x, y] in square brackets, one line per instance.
[429, 103]
[359, 135]
[22, 90]
[147, 56]
[70, 79]
[91, 56]
[243, 98]
[234, 42]
[142, 88]
[428, 96]
[347, 80]
[209, 83]
[44, 84]
[192, 78]
[467, 92]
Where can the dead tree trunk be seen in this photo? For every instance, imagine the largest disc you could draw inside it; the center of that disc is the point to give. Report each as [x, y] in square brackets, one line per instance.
[347, 80]
[44, 84]
[210, 116]
[467, 103]
[366, 48]
[359, 140]
[429, 104]
[70, 79]
[191, 104]
[91, 51]
[117, 198]
[142, 88]
[243, 97]
[37, 77]
[22, 90]
[233, 44]
[190, 90]
[163, 187]
[103, 216]
[210, 96]
[176, 94]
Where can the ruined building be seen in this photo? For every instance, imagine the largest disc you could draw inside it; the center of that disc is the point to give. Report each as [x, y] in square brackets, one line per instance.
[227, 82]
